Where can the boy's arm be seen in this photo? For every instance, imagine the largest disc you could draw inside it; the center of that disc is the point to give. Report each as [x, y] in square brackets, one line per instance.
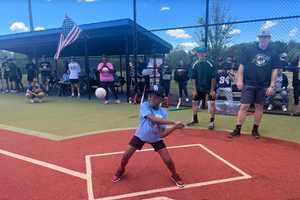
[165, 132]
[160, 121]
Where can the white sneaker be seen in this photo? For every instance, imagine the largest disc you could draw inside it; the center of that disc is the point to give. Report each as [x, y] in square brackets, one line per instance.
[211, 125]
[72, 95]
[31, 100]
[118, 101]
[187, 100]
[270, 107]
[78, 96]
[106, 102]
[179, 103]
[284, 108]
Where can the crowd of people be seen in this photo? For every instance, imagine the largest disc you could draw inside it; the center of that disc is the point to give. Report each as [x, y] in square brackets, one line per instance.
[225, 81]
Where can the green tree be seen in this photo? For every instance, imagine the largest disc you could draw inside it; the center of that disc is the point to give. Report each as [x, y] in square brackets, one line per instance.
[218, 36]
[176, 55]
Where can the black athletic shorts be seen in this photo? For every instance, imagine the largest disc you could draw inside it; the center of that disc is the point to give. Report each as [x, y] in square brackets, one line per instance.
[253, 95]
[13, 78]
[74, 81]
[202, 96]
[137, 143]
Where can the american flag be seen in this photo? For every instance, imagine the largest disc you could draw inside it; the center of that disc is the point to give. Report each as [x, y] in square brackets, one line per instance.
[69, 34]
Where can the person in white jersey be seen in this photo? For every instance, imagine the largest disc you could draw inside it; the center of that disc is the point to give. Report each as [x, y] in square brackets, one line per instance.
[74, 69]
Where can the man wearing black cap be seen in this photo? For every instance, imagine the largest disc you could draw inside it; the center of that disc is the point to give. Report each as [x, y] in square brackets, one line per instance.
[256, 78]
[204, 84]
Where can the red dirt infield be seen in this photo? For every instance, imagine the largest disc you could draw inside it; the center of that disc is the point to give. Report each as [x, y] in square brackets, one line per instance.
[212, 166]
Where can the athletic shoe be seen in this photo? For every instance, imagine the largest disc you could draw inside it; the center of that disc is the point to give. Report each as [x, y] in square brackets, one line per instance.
[177, 180]
[31, 101]
[270, 107]
[187, 100]
[106, 102]
[234, 133]
[284, 108]
[118, 101]
[211, 125]
[179, 103]
[193, 123]
[117, 177]
[78, 96]
[255, 134]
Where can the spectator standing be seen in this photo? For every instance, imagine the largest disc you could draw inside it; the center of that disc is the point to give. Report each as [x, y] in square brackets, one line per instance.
[106, 73]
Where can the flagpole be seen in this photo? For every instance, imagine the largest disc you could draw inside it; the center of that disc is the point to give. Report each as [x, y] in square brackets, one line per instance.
[30, 15]
[86, 61]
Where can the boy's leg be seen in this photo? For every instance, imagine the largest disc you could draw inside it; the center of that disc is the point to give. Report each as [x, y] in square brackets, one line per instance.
[165, 156]
[185, 90]
[72, 89]
[114, 92]
[77, 85]
[212, 102]
[7, 84]
[40, 95]
[105, 86]
[30, 97]
[269, 101]
[121, 169]
[180, 89]
[134, 144]
[285, 99]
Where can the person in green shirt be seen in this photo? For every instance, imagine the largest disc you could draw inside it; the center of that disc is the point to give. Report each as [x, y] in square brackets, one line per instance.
[203, 77]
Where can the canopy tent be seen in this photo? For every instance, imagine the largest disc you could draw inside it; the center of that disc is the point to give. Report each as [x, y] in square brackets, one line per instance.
[109, 38]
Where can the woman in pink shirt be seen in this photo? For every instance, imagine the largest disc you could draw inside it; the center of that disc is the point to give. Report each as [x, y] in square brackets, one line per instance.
[106, 72]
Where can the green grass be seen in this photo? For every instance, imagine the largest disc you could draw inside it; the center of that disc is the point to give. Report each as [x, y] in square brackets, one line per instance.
[69, 117]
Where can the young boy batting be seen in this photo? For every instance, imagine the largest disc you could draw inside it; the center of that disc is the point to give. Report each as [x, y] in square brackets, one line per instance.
[152, 128]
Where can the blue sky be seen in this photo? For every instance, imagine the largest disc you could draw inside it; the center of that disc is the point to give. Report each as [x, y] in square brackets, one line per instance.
[154, 14]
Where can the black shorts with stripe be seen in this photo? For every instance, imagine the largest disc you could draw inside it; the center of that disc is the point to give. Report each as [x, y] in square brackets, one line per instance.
[202, 96]
[138, 144]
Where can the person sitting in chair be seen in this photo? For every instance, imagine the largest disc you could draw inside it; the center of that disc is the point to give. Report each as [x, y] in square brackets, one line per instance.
[281, 89]
[35, 91]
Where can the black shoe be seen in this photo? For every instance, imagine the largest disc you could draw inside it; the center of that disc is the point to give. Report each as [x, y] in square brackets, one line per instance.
[255, 134]
[192, 123]
[234, 133]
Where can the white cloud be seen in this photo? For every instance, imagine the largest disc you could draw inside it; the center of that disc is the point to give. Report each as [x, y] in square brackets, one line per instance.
[165, 8]
[86, 1]
[39, 28]
[178, 33]
[18, 27]
[235, 32]
[188, 44]
[293, 32]
[268, 24]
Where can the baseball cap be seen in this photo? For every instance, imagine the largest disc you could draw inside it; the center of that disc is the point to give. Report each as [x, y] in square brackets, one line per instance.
[264, 33]
[156, 90]
[201, 50]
